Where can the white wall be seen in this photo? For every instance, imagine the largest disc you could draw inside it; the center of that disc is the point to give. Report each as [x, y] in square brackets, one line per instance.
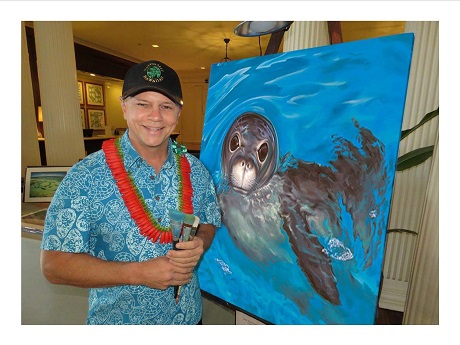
[43, 303]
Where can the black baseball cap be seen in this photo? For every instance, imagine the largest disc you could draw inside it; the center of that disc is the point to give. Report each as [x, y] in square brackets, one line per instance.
[153, 76]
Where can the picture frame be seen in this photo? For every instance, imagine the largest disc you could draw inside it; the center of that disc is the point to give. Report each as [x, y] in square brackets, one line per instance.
[34, 222]
[80, 92]
[94, 94]
[83, 118]
[96, 118]
[41, 182]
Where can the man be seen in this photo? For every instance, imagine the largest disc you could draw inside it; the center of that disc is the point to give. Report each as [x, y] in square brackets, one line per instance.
[108, 227]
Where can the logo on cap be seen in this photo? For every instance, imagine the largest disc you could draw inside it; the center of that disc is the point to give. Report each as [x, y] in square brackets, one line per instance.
[153, 73]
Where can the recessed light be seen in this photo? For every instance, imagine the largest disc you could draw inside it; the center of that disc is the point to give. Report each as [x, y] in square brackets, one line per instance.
[155, 46]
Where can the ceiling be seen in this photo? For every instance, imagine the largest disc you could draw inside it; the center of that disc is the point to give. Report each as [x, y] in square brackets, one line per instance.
[183, 45]
[187, 46]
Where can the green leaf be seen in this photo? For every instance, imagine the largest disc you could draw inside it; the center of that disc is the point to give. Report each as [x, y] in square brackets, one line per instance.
[426, 118]
[402, 231]
[414, 158]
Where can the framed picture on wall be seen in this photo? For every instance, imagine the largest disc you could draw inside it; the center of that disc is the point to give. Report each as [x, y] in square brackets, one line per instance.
[96, 118]
[40, 183]
[94, 94]
[80, 92]
[82, 115]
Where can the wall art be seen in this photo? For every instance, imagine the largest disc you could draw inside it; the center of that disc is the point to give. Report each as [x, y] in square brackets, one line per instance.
[40, 183]
[302, 147]
[82, 116]
[96, 118]
[80, 92]
[94, 94]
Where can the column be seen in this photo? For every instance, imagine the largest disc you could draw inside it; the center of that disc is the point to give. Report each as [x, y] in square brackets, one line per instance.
[303, 35]
[422, 303]
[59, 93]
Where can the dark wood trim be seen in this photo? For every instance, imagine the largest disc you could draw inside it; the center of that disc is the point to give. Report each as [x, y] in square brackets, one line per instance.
[91, 60]
[274, 43]
[33, 68]
[335, 32]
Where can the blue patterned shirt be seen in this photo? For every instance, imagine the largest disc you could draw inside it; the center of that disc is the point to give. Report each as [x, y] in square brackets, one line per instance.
[88, 215]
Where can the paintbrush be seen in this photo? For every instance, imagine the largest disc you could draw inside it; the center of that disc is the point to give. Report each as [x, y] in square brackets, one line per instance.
[176, 219]
[194, 227]
[189, 220]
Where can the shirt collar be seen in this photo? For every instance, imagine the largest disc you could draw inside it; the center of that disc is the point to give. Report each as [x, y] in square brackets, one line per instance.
[131, 156]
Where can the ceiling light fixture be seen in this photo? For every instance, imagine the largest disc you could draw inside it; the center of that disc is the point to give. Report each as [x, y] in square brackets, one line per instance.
[251, 29]
[226, 58]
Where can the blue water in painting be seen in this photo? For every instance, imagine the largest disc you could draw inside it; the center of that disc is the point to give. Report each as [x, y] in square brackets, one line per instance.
[309, 95]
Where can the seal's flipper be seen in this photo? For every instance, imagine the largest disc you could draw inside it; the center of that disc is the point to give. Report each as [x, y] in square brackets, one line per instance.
[312, 259]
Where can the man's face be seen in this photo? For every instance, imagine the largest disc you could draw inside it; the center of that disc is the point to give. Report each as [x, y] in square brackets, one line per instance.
[151, 118]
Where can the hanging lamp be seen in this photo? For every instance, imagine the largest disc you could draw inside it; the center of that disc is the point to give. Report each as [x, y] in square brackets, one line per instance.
[251, 29]
[226, 58]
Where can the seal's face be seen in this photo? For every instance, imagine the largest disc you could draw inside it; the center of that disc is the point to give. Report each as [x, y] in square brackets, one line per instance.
[249, 153]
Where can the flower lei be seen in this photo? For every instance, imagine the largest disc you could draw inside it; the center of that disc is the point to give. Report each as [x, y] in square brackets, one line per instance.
[138, 209]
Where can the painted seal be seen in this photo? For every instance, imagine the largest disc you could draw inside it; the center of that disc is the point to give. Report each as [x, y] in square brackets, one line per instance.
[273, 207]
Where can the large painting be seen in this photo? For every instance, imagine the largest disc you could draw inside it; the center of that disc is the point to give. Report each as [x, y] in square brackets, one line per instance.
[302, 147]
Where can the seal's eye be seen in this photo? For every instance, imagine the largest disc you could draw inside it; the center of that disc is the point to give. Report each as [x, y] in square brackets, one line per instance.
[262, 152]
[234, 143]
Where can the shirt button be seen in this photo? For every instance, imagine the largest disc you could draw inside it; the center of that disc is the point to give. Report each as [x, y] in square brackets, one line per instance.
[157, 198]
[159, 220]
[152, 177]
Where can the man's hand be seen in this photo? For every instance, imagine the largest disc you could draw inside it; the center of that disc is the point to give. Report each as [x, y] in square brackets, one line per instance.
[187, 254]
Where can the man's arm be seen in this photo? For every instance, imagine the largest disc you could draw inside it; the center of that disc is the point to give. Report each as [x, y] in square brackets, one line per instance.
[206, 232]
[84, 270]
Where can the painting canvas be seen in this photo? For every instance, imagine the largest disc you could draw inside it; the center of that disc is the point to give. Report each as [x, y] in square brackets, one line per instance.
[42, 182]
[302, 147]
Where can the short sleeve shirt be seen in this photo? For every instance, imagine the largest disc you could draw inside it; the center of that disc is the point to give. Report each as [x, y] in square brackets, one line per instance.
[88, 215]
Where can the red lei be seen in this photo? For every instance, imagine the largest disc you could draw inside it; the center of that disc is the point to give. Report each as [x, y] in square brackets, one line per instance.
[147, 224]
